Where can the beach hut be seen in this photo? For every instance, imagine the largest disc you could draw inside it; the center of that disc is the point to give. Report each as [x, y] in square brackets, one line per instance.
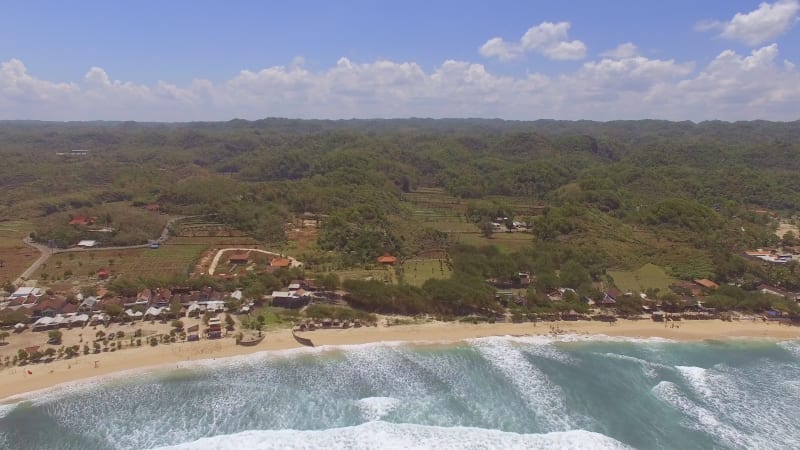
[59, 321]
[79, 320]
[214, 330]
[43, 323]
[97, 319]
[152, 313]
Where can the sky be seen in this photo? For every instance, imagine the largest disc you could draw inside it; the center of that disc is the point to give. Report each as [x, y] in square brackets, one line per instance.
[184, 60]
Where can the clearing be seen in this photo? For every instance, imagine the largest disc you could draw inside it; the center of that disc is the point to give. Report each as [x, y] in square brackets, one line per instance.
[647, 276]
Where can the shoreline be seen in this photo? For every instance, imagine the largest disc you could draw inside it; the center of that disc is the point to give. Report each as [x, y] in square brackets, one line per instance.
[16, 384]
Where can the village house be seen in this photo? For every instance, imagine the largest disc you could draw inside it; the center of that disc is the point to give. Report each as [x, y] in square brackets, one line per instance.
[778, 292]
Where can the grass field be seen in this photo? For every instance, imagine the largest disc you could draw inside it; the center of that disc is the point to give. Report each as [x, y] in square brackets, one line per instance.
[168, 260]
[647, 276]
[416, 272]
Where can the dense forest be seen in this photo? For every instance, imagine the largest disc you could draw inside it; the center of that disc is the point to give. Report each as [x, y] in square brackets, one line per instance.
[690, 197]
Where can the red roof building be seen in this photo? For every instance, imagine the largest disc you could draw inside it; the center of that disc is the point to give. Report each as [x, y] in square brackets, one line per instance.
[81, 220]
[280, 262]
[706, 283]
[387, 259]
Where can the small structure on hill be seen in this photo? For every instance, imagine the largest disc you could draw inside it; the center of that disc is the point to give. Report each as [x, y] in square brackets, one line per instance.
[280, 262]
[387, 259]
[239, 258]
[706, 283]
[82, 221]
[88, 243]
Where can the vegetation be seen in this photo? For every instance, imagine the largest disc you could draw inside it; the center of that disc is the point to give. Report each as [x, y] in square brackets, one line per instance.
[640, 204]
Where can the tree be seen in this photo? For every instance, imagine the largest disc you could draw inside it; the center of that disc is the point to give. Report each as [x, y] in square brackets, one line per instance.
[177, 324]
[789, 239]
[229, 322]
[3, 336]
[487, 229]
[330, 282]
[89, 291]
[175, 308]
[573, 275]
[55, 336]
[112, 309]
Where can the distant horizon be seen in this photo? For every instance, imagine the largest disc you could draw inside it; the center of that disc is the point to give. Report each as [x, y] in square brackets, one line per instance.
[389, 119]
[179, 62]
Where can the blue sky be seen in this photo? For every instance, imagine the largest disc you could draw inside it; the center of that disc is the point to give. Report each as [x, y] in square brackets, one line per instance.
[204, 60]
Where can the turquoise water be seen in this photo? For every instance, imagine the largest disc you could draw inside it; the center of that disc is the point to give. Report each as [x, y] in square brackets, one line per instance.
[485, 393]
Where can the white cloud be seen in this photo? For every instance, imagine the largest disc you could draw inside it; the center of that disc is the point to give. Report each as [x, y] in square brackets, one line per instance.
[765, 23]
[547, 38]
[626, 50]
[620, 85]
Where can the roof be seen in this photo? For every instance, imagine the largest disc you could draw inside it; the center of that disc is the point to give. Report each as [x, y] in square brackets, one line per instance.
[26, 291]
[706, 283]
[282, 294]
[81, 220]
[87, 243]
[280, 262]
[387, 259]
[242, 256]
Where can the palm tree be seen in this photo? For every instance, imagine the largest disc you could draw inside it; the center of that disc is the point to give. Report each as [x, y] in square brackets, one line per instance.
[3, 336]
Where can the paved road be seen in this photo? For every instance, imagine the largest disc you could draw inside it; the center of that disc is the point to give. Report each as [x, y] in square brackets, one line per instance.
[46, 252]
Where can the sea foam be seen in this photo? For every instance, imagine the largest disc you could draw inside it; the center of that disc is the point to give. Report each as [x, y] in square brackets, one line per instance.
[386, 435]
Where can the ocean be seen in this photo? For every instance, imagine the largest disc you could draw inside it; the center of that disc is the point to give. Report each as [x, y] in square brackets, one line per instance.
[501, 392]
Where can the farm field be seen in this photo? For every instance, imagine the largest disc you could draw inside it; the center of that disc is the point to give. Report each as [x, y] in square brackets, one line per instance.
[169, 260]
[15, 256]
[647, 276]
[417, 272]
[379, 274]
[505, 242]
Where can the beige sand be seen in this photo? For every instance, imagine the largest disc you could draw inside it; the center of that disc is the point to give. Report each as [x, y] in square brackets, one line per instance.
[16, 380]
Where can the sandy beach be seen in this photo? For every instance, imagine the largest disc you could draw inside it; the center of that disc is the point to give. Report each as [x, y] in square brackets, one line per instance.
[19, 380]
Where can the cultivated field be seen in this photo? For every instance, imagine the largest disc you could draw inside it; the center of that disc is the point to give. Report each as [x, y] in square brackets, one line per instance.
[168, 260]
[15, 256]
[416, 272]
[505, 242]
